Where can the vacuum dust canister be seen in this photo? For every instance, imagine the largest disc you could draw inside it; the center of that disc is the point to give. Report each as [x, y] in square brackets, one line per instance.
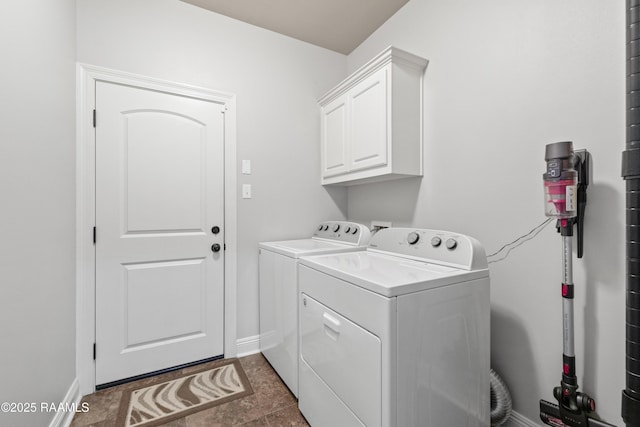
[560, 181]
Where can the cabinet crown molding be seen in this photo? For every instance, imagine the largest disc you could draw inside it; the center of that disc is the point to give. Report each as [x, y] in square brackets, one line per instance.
[390, 55]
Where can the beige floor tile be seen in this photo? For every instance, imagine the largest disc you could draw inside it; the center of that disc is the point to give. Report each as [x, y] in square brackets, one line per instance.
[271, 404]
[287, 417]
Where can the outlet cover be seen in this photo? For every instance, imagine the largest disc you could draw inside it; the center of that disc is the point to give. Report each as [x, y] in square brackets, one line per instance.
[246, 191]
[378, 225]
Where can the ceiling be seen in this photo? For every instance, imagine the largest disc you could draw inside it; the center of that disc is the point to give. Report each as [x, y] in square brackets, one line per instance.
[338, 25]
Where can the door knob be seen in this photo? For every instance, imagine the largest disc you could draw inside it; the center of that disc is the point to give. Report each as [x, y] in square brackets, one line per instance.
[215, 247]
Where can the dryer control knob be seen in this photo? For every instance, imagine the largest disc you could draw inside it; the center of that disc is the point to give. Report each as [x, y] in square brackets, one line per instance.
[451, 244]
[413, 238]
[436, 241]
[336, 228]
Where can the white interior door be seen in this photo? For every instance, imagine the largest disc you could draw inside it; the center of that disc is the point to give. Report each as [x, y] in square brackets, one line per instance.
[159, 195]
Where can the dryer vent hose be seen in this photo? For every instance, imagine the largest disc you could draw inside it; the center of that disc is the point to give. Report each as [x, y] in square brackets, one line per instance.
[500, 400]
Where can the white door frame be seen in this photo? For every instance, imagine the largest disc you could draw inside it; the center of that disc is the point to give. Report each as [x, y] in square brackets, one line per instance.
[87, 75]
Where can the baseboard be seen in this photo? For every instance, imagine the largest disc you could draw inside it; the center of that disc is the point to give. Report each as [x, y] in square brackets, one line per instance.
[248, 345]
[70, 405]
[519, 420]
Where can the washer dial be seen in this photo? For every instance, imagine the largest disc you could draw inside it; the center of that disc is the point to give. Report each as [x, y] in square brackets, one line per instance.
[451, 244]
[413, 237]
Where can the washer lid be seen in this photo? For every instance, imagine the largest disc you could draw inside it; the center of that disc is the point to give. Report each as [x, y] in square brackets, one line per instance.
[301, 247]
[332, 236]
[389, 275]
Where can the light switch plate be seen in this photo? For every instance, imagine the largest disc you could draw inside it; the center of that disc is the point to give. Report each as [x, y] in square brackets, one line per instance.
[246, 167]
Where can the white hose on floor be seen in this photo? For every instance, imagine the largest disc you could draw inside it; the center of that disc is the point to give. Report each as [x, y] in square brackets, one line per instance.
[500, 400]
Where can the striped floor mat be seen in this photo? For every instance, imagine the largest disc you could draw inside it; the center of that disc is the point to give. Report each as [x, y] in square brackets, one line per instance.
[168, 400]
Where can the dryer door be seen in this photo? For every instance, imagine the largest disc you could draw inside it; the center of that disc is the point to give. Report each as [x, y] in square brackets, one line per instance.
[346, 357]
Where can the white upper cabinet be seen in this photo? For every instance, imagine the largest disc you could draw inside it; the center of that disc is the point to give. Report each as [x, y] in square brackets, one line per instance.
[371, 123]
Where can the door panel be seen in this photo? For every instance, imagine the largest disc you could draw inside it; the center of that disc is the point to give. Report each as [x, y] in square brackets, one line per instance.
[334, 134]
[369, 139]
[173, 144]
[154, 291]
[159, 191]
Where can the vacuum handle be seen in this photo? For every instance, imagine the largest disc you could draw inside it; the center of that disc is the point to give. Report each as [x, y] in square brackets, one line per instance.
[582, 205]
[582, 164]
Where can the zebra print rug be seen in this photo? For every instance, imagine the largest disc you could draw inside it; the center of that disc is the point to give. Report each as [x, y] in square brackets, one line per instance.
[169, 399]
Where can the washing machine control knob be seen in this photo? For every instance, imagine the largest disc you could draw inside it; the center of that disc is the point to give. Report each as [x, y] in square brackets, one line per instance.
[325, 228]
[451, 244]
[336, 228]
[413, 238]
[348, 229]
[320, 227]
[355, 230]
[436, 241]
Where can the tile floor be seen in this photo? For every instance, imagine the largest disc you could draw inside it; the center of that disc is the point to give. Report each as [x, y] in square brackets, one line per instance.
[270, 405]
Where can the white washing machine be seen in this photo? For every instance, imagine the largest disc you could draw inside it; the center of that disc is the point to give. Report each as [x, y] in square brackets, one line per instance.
[278, 263]
[397, 335]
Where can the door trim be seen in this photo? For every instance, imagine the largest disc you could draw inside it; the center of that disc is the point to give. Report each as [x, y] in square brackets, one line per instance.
[87, 76]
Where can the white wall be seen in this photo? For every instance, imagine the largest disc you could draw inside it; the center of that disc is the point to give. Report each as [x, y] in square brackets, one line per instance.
[277, 81]
[37, 186]
[505, 78]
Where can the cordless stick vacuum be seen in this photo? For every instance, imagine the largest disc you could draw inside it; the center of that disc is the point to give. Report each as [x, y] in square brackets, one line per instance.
[565, 191]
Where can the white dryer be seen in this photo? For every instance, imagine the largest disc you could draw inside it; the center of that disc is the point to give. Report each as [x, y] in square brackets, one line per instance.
[278, 263]
[397, 335]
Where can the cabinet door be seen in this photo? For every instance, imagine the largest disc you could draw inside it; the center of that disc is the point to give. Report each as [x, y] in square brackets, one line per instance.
[334, 137]
[369, 102]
